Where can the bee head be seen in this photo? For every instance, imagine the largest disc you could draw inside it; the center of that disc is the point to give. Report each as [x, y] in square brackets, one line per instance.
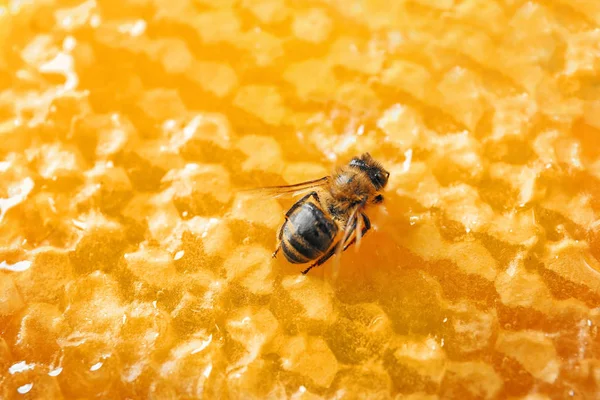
[372, 168]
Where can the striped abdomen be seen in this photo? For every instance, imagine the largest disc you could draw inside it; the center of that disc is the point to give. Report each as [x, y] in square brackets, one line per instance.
[307, 234]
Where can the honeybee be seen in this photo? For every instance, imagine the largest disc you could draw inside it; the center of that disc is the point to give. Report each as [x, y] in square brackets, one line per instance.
[330, 217]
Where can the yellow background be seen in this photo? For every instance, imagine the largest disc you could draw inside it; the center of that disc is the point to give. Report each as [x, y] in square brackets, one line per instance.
[130, 268]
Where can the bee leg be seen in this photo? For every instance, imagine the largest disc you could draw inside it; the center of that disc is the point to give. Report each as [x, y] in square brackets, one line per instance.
[364, 230]
[321, 260]
[274, 255]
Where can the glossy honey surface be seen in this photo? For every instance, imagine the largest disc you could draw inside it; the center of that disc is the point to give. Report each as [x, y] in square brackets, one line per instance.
[131, 267]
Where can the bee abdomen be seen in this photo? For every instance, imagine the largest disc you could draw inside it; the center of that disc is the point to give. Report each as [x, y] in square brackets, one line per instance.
[307, 234]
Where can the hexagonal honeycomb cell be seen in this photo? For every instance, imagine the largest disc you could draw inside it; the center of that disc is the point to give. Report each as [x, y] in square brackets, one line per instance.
[132, 265]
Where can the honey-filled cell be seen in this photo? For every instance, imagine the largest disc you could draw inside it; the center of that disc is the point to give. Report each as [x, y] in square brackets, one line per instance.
[137, 261]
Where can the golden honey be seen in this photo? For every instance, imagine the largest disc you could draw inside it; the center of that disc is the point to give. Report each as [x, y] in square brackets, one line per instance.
[131, 267]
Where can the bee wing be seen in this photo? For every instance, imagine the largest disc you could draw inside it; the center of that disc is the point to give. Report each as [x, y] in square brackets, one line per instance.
[288, 190]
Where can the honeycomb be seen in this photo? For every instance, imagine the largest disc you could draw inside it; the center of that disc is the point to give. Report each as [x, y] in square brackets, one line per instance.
[131, 266]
